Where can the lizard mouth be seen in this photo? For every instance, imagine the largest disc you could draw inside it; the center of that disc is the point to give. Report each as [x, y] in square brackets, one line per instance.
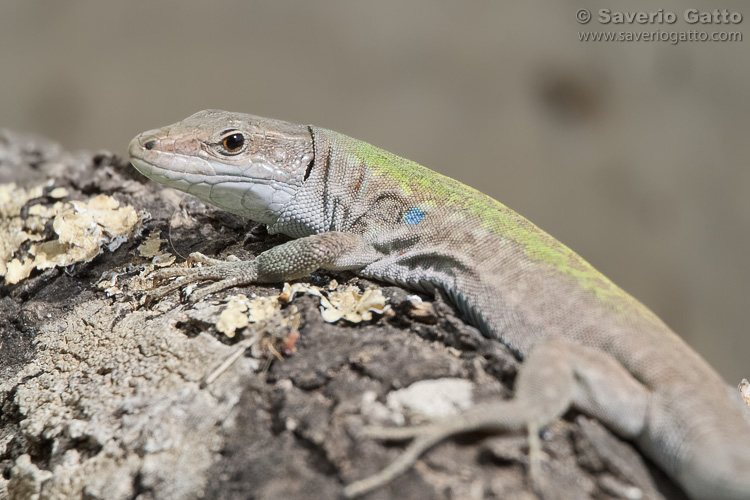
[181, 170]
[151, 154]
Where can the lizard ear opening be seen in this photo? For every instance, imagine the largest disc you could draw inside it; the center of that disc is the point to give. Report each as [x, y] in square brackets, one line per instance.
[309, 168]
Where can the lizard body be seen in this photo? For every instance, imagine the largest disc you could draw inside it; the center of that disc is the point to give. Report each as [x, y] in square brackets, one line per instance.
[350, 205]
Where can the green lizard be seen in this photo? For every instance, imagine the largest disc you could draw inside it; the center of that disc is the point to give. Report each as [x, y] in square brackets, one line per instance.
[351, 206]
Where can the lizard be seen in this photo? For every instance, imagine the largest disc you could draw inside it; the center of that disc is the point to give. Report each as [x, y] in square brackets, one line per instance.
[348, 205]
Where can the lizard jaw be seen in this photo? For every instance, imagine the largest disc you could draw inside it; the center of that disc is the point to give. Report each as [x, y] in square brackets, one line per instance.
[250, 191]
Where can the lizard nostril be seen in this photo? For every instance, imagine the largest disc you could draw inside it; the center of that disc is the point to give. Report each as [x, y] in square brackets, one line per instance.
[150, 144]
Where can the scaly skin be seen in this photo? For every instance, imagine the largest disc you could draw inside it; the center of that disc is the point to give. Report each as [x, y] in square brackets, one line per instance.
[586, 343]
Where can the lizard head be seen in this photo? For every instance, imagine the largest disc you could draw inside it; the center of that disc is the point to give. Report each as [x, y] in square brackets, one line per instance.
[245, 164]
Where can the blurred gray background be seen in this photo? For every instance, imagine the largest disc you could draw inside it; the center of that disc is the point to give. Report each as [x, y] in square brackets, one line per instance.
[634, 154]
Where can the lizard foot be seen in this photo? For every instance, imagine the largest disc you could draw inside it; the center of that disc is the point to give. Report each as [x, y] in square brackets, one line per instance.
[556, 375]
[424, 437]
[480, 418]
[227, 274]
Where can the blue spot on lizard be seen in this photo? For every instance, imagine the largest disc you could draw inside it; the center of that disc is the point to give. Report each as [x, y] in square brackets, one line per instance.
[414, 216]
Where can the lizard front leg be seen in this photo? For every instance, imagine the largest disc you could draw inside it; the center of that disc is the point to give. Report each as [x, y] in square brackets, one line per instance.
[555, 376]
[291, 260]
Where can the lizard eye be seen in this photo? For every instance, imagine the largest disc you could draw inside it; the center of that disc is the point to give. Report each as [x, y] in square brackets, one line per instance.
[233, 143]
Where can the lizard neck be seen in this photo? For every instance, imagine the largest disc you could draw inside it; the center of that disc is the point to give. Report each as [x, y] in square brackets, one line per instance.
[324, 200]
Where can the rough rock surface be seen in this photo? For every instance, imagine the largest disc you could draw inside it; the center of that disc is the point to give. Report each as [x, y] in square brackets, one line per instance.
[101, 397]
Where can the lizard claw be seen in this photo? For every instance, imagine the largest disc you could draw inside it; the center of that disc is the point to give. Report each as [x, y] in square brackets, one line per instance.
[197, 257]
[424, 437]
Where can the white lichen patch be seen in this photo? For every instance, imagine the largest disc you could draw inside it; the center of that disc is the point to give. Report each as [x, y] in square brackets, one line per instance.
[283, 329]
[109, 281]
[292, 289]
[149, 257]
[263, 308]
[14, 231]
[241, 311]
[151, 249]
[82, 230]
[150, 246]
[350, 304]
[58, 192]
[13, 198]
[163, 259]
[234, 316]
